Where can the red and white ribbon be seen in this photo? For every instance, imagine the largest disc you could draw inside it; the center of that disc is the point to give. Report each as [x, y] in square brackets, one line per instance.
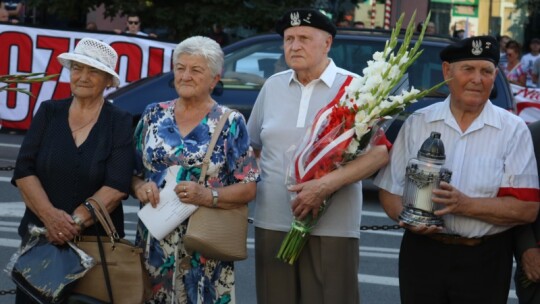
[387, 14]
[305, 170]
[373, 12]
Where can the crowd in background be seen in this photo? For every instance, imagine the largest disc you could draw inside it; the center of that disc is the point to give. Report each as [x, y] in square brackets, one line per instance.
[520, 69]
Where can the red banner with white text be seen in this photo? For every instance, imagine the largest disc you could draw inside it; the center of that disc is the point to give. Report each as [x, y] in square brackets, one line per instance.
[34, 50]
[527, 102]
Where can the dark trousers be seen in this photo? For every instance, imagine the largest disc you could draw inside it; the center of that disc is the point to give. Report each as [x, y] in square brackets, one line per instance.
[431, 272]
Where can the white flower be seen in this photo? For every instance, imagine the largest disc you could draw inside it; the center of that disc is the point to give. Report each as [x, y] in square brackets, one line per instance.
[395, 72]
[375, 111]
[355, 84]
[385, 104]
[368, 98]
[380, 67]
[353, 147]
[368, 95]
[397, 99]
[361, 129]
[378, 56]
[404, 59]
[373, 82]
[360, 117]
[411, 92]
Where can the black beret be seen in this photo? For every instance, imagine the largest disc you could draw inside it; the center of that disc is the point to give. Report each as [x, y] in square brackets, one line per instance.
[473, 48]
[305, 17]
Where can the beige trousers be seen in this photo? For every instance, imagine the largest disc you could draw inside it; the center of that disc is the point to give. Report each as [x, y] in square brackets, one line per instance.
[326, 272]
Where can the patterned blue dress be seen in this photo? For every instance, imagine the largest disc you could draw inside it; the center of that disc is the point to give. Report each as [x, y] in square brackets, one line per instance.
[176, 276]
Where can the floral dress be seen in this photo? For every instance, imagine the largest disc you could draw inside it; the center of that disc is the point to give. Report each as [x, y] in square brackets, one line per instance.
[176, 276]
[513, 74]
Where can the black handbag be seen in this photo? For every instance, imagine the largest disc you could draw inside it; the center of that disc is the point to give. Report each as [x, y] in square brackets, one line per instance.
[47, 272]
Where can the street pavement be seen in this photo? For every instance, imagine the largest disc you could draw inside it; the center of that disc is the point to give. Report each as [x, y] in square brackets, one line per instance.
[379, 249]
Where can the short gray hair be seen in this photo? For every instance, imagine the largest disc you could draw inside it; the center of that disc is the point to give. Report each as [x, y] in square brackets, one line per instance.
[206, 47]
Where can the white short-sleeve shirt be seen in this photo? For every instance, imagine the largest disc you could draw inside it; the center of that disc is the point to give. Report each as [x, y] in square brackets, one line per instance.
[493, 157]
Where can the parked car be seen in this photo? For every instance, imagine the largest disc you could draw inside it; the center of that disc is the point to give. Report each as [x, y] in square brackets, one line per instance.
[250, 61]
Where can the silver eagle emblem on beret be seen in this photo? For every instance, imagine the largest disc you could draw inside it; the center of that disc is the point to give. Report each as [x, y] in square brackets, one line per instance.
[295, 19]
[476, 47]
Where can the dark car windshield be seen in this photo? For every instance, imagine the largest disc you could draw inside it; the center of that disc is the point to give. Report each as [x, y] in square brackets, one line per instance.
[249, 62]
[248, 67]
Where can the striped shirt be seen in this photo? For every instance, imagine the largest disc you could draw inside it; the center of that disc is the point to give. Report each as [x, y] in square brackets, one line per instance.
[493, 157]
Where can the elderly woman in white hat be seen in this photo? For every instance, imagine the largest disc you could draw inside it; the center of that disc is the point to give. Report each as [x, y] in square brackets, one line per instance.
[76, 148]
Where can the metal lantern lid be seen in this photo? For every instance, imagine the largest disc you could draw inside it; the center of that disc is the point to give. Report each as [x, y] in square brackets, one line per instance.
[432, 149]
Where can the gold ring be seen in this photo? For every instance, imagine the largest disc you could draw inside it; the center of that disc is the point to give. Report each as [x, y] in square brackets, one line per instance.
[184, 188]
[148, 190]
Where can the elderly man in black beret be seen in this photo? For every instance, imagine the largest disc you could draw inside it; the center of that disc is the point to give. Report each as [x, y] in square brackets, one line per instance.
[494, 186]
[327, 269]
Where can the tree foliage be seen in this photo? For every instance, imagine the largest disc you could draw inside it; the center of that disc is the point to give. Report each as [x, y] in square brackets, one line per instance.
[532, 9]
[181, 18]
[531, 6]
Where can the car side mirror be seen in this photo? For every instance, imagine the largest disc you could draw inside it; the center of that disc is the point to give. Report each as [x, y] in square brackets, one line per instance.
[218, 89]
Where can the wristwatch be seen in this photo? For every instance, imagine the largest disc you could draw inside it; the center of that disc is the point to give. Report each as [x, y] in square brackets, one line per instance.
[214, 198]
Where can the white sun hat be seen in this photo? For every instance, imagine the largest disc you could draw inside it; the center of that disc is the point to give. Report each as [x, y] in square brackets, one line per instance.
[94, 53]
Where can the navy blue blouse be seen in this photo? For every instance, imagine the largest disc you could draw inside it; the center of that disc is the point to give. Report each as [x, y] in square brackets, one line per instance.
[70, 174]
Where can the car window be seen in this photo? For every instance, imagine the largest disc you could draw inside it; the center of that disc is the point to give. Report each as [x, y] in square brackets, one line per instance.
[248, 67]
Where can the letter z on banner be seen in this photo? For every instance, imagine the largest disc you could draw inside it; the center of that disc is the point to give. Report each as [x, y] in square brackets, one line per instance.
[26, 49]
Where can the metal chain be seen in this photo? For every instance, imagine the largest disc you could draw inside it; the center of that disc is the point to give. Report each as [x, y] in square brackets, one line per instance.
[250, 220]
[374, 227]
[7, 292]
[383, 227]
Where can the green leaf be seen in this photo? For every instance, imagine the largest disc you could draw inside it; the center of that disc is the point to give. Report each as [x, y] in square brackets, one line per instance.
[23, 78]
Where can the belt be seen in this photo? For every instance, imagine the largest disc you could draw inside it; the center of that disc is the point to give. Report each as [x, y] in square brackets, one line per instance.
[453, 239]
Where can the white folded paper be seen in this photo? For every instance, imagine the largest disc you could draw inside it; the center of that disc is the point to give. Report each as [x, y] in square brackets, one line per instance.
[169, 213]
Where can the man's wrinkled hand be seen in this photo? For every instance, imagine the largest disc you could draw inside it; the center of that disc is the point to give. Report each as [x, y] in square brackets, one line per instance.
[309, 198]
[449, 196]
[531, 264]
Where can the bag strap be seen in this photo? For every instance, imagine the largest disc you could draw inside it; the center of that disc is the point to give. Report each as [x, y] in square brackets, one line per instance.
[212, 144]
[101, 250]
[105, 219]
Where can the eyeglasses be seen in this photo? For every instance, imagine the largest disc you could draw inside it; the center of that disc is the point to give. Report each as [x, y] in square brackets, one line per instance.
[133, 22]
